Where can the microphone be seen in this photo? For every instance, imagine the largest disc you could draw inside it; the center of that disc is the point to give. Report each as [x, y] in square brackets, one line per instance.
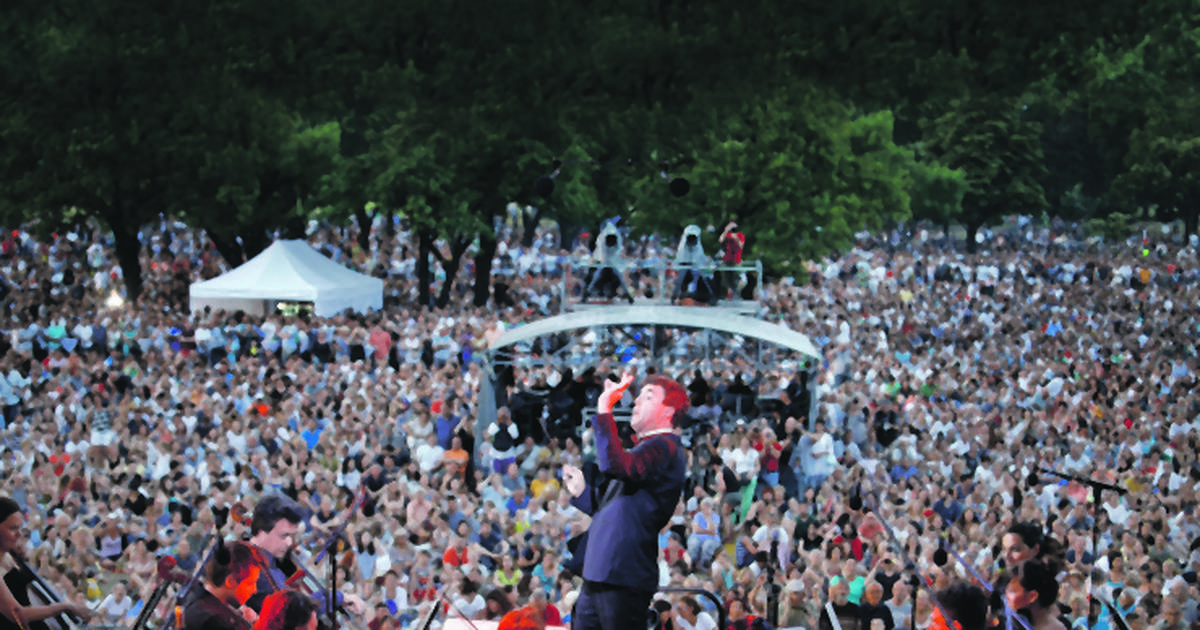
[222, 553]
[856, 501]
[1092, 483]
[940, 557]
[1032, 480]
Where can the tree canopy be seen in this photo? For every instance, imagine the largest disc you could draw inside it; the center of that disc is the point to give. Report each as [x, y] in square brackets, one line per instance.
[805, 122]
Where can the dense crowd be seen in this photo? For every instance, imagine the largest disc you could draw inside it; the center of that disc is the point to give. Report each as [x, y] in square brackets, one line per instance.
[947, 382]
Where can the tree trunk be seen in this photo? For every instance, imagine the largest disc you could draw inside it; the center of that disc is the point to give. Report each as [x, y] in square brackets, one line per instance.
[529, 225]
[1191, 220]
[450, 266]
[390, 223]
[424, 278]
[129, 247]
[483, 268]
[229, 250]
[972, 230]
[254, 241]
[295, 229]
[364, 228]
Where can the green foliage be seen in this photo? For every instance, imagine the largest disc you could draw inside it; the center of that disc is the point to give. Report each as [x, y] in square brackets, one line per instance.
[1000, 154]
[1149, 107]
[248, 117]
[800, 172]
[937, 192]
[1113, 228]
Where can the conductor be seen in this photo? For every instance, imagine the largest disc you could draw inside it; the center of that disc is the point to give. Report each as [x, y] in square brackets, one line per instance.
[620, 565]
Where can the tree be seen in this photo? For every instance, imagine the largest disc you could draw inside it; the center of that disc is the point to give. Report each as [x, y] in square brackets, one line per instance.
[801, 172]
[123, 112]
[1000, 153]
[1145, 112]
[85, 136]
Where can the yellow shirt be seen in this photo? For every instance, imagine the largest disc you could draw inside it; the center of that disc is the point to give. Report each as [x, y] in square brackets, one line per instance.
[538, 487]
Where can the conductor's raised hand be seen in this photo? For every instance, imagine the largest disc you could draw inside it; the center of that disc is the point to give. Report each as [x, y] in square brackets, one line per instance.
[573, 480]
[612, 393]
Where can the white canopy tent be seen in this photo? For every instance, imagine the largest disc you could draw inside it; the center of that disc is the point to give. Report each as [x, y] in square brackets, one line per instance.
[289, 271]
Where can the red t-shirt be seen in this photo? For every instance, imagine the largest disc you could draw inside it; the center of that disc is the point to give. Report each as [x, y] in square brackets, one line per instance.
[769, 458]
[454, 558]
[732, 248]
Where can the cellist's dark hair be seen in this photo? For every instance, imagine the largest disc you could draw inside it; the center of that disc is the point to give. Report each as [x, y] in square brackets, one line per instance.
[271, 510]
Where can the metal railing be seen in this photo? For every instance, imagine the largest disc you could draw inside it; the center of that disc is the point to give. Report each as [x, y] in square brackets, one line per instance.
[722, 615]
[666, 276]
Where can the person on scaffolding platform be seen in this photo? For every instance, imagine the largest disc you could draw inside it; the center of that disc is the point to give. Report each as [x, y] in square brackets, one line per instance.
[733, 241]
[606, 278]
[690, 263]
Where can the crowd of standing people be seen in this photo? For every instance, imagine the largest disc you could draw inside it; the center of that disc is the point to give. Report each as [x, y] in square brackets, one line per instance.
[947, 381]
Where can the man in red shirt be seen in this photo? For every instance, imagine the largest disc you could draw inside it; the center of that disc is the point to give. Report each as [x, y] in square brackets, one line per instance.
[732, 242]
[456, 553]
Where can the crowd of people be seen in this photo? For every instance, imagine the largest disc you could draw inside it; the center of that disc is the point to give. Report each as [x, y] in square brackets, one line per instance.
[949, 382]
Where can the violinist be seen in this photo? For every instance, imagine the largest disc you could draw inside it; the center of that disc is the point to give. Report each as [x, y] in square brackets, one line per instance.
[230, 579]
[15, 609]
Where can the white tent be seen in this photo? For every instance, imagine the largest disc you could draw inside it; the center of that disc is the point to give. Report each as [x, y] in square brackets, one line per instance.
[289, 271]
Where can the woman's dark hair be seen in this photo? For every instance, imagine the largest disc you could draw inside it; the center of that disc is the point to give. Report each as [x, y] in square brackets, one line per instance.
[1039, 577]
[296, 610]
[8, 507]
[502, 600]
[1049, 550]
[524, 585]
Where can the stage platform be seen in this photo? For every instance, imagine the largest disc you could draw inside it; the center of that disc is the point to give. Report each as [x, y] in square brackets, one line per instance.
[724, 307]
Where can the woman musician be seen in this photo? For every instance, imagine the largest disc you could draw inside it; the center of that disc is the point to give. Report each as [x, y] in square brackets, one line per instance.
[230, 579]
[288, 610]
[16, 612]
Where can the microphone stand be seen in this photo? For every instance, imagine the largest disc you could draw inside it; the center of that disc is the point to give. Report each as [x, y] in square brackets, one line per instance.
[772, 587]
[1097, 487]
[191, 583]
[331, 542]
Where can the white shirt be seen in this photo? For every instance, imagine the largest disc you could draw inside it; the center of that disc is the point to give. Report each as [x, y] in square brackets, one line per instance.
[824, 460]
[1119, 515]
[470, 608]
[428, 457]
[744, 461]
[114, 610]
[704, 621]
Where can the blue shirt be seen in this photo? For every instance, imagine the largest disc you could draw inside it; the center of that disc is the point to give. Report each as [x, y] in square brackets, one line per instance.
[445, 430]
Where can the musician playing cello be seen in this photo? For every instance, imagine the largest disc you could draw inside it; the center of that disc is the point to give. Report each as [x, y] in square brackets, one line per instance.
[15, 609]
[273, 530]
[230, 578]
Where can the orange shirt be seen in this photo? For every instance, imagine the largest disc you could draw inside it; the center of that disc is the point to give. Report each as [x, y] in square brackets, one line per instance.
[454, 558]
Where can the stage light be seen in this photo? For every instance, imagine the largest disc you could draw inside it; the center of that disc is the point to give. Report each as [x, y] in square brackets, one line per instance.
[679, 186]
[544, 185]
